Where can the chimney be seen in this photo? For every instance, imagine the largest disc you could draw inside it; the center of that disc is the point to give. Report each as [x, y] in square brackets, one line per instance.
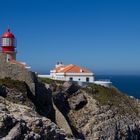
[81, 70]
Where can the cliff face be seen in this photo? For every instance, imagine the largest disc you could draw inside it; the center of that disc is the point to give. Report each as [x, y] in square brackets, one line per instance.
[17, 72]
[19, 119]
[103, 122]
[96, 112]
[19, 122]
[60, 110]
[36, 91]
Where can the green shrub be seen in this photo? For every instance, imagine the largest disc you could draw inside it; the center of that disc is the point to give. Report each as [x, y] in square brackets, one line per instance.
[50, 81]
[114, 98]
[36, 130]
[14, 84]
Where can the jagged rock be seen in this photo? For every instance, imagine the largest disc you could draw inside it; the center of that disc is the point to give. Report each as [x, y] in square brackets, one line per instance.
[43, 101]
[16, 132]
[118, 119]
[6, 123]
[103, 123]
[77, 102]
[70, 87]
[19, 92]
[17, 97]
[3, 91]
[53, 86]
[39, 123]
[22, 123]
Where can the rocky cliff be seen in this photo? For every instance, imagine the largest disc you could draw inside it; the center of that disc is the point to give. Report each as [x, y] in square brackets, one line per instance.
[16, 72]
[98, 113]
[20, 117]
[62, 110]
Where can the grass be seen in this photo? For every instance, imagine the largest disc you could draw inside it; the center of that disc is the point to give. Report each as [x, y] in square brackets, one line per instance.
[114, 98]
[17, 86]
[14, 84]
[36, 130]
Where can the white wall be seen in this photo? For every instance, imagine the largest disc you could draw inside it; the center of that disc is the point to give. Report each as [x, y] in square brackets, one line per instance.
[80, 78]
[75, 78]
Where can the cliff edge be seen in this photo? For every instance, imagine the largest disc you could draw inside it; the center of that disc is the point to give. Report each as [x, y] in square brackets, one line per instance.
[98, 113]
[60, 110]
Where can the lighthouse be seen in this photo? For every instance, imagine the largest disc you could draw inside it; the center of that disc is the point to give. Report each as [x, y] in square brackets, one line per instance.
[8, 45]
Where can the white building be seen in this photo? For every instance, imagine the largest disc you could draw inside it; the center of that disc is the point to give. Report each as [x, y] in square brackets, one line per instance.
[71, 73]
[76, 74]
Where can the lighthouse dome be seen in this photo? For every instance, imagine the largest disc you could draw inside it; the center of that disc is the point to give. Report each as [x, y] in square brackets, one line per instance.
[8, 34]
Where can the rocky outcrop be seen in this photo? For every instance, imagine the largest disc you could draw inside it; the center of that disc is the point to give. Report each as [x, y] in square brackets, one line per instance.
[77, 102]
[43, 101]
[99, 113]
[16, 96]
[18, 92]
[34, 90]
[17, 72]
[62, 122]
[19, 122]
[70, 87]
[103, 123]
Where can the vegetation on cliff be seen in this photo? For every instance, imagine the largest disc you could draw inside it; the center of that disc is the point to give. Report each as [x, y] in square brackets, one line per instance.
[50, 81]
[15, 91]
[13, 84]
[113, 98]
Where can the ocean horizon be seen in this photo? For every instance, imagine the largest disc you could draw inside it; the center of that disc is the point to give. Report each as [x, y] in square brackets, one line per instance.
[128, 84]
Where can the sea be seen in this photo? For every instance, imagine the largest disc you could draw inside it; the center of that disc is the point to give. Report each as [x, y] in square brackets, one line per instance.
[128, 84]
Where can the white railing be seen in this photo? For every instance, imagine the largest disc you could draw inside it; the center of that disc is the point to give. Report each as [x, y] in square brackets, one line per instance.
[104, 80]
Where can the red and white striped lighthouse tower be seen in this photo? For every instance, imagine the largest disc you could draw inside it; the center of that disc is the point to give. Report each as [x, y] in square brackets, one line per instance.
[8, 45]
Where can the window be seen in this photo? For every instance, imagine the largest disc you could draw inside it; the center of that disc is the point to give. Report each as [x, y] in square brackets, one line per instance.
[87, 79]
[71, 79]
[8, 42]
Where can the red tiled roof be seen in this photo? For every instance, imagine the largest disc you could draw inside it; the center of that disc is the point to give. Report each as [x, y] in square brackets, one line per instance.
[71, 69]
[18, 63]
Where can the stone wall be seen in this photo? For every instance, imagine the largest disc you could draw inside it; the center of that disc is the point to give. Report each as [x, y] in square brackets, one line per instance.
[17, 72]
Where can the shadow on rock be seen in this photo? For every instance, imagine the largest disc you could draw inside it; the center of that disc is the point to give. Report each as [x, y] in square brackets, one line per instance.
[61, 102]
[42, 100]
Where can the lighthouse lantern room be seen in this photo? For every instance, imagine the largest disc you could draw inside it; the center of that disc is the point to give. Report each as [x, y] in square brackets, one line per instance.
[8, 45]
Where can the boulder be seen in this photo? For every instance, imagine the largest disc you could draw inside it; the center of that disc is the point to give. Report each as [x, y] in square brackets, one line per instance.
[70, 87]
[77, 102]
[16, 132]
[3, 91]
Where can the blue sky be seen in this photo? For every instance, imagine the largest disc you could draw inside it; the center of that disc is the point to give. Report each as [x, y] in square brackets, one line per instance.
[100, 35]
